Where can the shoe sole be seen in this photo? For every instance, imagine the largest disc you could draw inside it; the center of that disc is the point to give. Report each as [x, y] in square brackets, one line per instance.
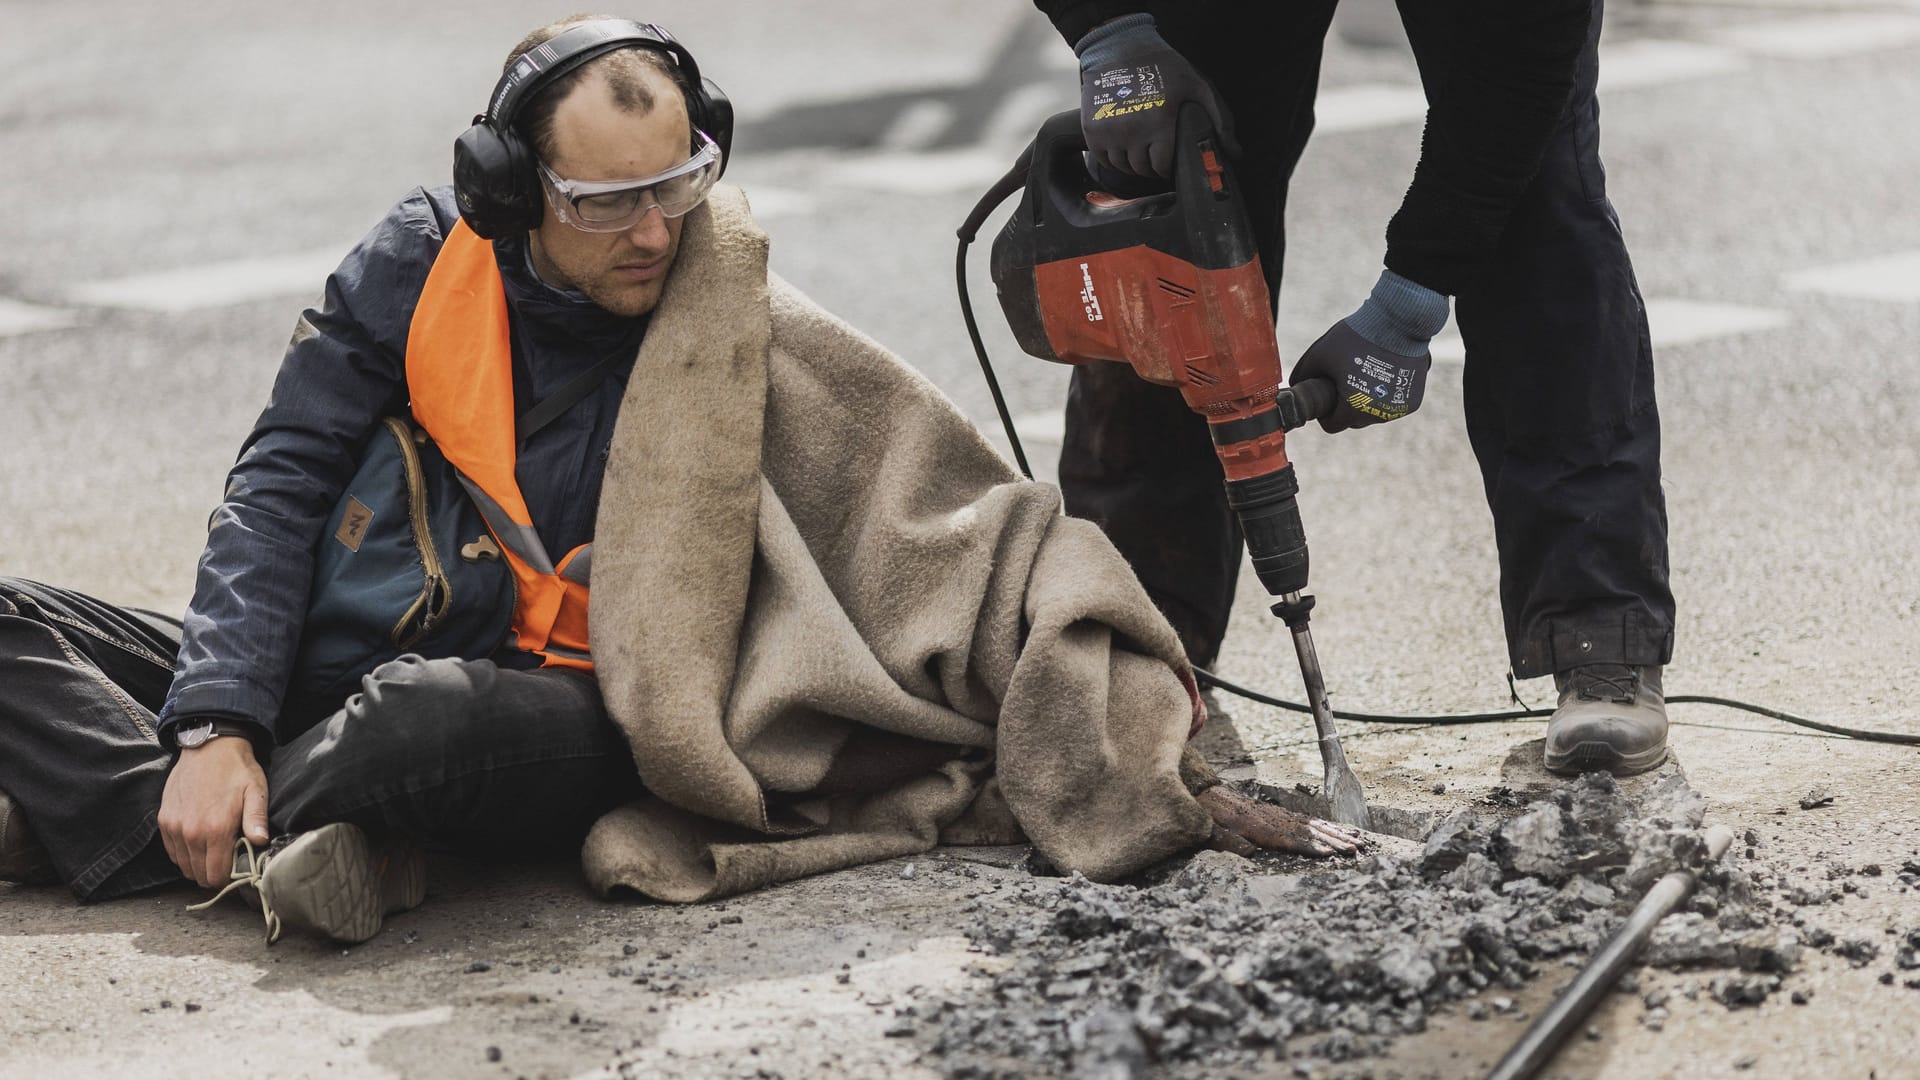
[327, 882]
[1589, 757]
[404, 882]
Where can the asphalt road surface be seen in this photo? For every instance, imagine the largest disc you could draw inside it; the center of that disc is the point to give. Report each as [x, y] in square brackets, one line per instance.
[179, 178]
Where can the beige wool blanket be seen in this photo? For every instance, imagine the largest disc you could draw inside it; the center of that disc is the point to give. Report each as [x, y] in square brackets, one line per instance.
[836, 627]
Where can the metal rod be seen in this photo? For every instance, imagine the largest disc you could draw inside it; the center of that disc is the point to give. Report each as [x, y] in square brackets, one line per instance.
[1540, 1041]
[1346, 802]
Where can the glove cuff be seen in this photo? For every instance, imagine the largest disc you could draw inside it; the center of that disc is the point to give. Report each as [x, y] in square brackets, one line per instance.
[1104, 45]
[1401, 315]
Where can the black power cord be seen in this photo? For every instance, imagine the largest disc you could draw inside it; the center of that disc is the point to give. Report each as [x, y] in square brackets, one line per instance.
[1208, 678]
[1013, 181]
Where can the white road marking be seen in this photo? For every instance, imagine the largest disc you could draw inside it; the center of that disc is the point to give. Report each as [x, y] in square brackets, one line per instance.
[18, 317]
[769, 201]
[973, 168]
[215, 284]
[936, 172]
[1684, 322]
[1448, 348]
[1670, 323]
[1063, 60]
[1020, 114]
[1364, 106]
[1623, 65]
[1839, 34]
[918, 124]
[1626, 65]
[901, 169]
[1047, 427]
[1889, 277]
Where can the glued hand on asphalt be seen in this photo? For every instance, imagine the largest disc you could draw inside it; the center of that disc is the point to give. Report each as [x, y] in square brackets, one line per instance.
[1272, 828]
[213, 791]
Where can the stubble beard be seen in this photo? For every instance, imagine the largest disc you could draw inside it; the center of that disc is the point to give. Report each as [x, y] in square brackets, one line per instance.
[630, 301]
[601, 285]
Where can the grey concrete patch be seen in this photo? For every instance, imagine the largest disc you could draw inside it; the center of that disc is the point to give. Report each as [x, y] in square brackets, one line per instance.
[1221, 967]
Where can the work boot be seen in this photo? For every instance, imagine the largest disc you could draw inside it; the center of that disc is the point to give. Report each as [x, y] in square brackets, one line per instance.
[22, 860]
[331, 881]
[1611, 717]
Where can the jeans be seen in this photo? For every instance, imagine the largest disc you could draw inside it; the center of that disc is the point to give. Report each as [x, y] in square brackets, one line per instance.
[1558, 385]
[463, 755]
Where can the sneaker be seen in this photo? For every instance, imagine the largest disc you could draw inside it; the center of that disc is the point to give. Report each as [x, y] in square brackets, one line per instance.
[330, 881]
[22, 860]
[1612, 718]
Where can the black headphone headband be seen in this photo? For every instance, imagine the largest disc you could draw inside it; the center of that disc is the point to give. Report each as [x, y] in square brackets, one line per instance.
[571, 48]
[495, 170]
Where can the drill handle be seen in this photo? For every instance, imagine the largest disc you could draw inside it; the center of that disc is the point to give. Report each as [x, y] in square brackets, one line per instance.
[1306, 400]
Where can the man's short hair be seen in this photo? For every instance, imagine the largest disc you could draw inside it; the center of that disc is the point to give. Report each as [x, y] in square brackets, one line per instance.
[624, 70]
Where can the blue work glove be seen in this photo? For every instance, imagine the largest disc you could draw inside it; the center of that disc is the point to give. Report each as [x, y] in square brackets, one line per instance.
[1132, 85]
[1378, 356]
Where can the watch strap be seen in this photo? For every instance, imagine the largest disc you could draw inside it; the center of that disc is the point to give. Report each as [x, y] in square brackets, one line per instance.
[219, 727]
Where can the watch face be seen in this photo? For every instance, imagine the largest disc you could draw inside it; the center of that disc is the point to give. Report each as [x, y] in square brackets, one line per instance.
[191, 737]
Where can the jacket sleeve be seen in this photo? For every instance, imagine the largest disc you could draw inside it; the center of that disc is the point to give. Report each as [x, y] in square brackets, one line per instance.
[344, 369]
[1073, 18]
[1505, 95]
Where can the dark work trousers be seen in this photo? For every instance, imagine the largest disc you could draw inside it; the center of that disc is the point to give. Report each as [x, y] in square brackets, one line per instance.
[461, 755]
[1558, 383]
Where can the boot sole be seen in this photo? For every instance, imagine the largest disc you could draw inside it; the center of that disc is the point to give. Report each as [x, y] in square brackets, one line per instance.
[327, 882]
[1604, 757]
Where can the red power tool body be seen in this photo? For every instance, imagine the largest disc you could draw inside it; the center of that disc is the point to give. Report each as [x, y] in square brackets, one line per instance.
[1171, 285]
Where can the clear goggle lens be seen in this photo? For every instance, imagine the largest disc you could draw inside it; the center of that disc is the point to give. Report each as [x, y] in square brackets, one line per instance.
[617, 205]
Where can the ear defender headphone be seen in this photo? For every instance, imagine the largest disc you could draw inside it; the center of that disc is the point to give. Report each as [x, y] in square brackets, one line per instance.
[496, 179]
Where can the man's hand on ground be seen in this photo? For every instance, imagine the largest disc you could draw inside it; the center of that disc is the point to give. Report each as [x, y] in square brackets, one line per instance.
[213, 791]
[1241, 825]
[1273, 828]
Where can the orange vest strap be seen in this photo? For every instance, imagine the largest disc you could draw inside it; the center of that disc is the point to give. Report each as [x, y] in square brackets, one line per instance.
[460, 367]
[460, 377]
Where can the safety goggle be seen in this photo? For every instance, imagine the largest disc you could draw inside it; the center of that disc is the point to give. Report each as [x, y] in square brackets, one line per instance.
[604, 206]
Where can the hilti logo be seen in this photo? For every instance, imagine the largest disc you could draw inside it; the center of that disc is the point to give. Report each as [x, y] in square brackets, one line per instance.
[1087, 298]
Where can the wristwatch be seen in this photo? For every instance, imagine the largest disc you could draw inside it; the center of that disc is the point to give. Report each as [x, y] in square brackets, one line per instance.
[198, 735]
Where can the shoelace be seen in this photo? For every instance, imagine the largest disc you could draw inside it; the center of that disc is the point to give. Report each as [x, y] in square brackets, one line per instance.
[1623, 683]
[256, 868]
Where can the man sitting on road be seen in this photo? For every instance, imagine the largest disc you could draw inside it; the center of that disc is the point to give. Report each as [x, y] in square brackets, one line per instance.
[830, 625]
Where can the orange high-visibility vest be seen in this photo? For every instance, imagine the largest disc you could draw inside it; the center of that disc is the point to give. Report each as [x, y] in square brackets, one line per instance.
[460, 376]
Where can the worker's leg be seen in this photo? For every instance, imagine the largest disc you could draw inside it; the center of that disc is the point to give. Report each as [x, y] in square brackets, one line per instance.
[1560, 407]
[1135, 459]
[459, 754]
[80, 681]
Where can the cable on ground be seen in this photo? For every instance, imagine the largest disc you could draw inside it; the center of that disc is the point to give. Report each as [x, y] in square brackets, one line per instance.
[1208, 678]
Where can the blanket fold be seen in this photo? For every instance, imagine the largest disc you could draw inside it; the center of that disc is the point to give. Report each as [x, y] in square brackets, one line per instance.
[832, 622]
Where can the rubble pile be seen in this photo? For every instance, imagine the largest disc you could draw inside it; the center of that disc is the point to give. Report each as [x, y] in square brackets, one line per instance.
[1220, 965]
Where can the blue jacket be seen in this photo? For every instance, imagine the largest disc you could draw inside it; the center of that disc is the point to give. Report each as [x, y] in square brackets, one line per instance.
[343, 371]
